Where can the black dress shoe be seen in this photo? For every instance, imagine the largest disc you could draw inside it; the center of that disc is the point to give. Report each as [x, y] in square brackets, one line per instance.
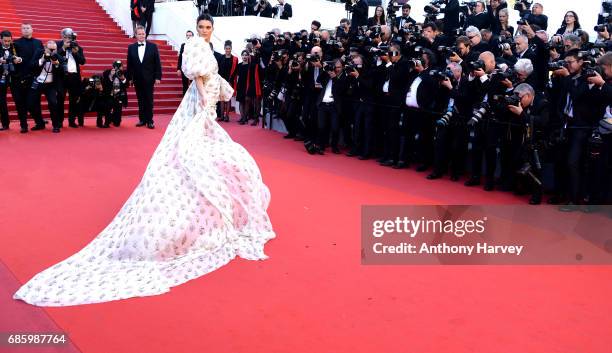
[400, 165]
[72, 124]
[535, 199]
[4, 128]
[489, 186]
[141, 123]
[434, 176]
[150, 125]
[422, 168]
[24, 130]
[116, 124]
[226, 119]
[555, 200]
[454, 177]
[38, 127]
[335, 150]
[320, 151]
[289, 136]
[388, 163]
[363, 158]
[298, 138]
[473, 181]
[242, 122]
[102, 126]
[351, 154]
[55, 130]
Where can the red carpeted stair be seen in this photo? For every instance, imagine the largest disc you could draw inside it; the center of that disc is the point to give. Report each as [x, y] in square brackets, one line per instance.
[102, 39]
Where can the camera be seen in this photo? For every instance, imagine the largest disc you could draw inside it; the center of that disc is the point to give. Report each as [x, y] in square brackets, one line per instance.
[526, 4]
[329, 66]
[51, 57]
[602, 28]
[349, 68]
[92, 82]
[479, 114]
[500, 102]
[470, 5]
[522, 22]
[432, 7]
[7, 68]
[442, 75]
[476, 65]
[73, 42]
[445, 119]
[447, 51]
[277, 55]
[499, 75]
[117, 64]
[556, 65]
[313, 58]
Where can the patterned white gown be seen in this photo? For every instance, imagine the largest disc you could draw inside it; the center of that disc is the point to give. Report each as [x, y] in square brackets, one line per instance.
[201, 202]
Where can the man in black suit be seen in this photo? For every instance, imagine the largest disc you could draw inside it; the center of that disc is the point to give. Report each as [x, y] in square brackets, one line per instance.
[179, 70]
[360, 14]
[404, 21]
[479, 18]
[263, 8]
[144, 71]
[47, 78]
[26, 47]
[329, 104]
[73, 56]
[7, 67]
[147, 8]
[283, 10]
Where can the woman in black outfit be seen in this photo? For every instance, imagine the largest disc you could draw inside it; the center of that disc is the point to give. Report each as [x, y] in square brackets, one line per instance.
[228, 66]
[379, 17]
[571, 24]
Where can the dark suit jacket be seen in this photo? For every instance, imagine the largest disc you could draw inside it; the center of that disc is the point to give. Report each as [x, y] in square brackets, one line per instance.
[149, 70]
[338, 87]
[451, 16]
[79, 57]
[56, 70]
[26, 49]
[360, 14]
[180, 58]
[149, 5]
[287, 12]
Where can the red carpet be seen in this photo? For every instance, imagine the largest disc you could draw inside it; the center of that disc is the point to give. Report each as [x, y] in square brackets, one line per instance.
[312, 295]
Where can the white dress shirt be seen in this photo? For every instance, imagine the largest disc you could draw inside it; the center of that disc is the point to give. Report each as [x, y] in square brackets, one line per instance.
[72, 66]
[411, 96]
[141, 50]
[328, 97]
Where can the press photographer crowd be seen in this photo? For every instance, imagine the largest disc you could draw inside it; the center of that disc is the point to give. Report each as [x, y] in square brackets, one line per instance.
[30, 68]
[462, 93]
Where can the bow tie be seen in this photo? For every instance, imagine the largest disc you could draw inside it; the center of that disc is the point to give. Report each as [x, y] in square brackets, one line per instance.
[141, 45]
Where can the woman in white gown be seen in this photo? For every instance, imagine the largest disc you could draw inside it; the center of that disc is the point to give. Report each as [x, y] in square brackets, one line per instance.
[200, 203]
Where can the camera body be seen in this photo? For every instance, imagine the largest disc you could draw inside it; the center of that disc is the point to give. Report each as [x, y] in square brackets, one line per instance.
[526, 4]
[329, 66]
[442, 75]
[476, 65]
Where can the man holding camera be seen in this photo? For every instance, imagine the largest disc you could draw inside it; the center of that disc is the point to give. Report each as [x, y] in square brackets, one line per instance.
[581, 113]
[72, 52]
[94, 99]
[27, 49]
[479, 18]
[283, 10]
[8, 59]
[526, 157]
[263, 8]
[48, 75]
[359, 8]
[329, 105]
[534, 16]
[115, 85]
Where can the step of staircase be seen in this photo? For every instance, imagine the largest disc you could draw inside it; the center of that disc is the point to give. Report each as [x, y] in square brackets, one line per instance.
[103, 42]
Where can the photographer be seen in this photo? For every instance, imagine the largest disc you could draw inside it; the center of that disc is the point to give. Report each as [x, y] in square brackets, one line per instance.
[94, 99]
[475, 37]
[534, 16]
[394, 89]
[404, 21]
[526, 157]
[329, 105]
[464, 53]
[312, 90]
[478, 17]
[363, 122]
[452, 14]
[73, 58]
[359, 8]
[580, 111]
[26, 63]
[115, 87]
[8, 59]
[283, 10]
[295, 97]
[48, 76]
[420, 113]
[263, 8]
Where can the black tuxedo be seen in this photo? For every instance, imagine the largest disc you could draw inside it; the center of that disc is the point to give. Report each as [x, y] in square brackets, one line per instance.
[399, 21]
[179, 65]
[360, 15]
[143, 75]
[480, 21]
[287, 12]
[451, 16]
[22, 78]
[147, 18]
[72, 83]
[6, 76]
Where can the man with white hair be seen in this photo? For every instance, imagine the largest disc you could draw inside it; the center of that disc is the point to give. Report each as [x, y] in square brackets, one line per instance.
[524, 72]
[73, 58]
[475, 38]
[522, 48]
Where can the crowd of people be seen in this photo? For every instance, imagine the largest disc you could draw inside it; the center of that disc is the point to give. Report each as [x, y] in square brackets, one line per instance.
[29, 69]
[264, 8]
[467, 95]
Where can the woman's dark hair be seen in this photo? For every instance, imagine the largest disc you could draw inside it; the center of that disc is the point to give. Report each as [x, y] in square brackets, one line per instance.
[228, 43]
[244, 52]
[576, 22]
[205, 17]
[382, 16]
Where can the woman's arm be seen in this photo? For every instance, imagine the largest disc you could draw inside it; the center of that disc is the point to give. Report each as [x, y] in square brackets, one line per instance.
[201, 92]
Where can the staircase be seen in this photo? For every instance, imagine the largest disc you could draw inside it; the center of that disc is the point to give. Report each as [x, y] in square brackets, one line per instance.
[102, 40]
